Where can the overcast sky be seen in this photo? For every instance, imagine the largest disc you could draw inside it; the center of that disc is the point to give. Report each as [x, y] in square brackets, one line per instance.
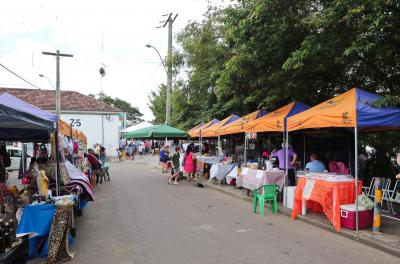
[75, 26]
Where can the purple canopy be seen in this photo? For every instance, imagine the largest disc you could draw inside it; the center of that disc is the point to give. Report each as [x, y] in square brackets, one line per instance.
[20, 121]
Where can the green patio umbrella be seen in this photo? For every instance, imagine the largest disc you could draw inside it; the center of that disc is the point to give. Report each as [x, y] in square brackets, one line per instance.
[157, 131]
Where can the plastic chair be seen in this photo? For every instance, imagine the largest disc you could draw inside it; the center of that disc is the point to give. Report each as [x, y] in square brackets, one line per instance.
[270, 193]
[369, 190]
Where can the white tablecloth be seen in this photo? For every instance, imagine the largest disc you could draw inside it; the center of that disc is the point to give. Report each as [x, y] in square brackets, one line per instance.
[253, 179]
[219, 171]
[233, 174]
[209, 159]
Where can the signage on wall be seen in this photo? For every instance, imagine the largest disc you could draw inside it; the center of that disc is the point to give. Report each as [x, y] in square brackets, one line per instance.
[75, 122]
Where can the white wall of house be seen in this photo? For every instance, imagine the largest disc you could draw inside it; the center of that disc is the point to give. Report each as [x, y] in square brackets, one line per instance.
[98, 128]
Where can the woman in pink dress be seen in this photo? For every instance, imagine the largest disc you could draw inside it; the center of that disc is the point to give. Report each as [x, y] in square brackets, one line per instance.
[189, 162]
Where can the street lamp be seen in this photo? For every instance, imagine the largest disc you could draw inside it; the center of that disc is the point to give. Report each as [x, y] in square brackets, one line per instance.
[159, 55]
[44, 76]
[169, 84]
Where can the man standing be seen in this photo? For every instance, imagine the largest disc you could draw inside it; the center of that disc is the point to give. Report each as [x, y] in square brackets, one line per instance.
[292, 157]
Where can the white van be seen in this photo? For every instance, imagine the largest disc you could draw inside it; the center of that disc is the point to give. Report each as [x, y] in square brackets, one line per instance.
[15, 154]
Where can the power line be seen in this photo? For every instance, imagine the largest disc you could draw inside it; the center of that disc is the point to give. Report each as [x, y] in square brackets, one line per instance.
[19, 76]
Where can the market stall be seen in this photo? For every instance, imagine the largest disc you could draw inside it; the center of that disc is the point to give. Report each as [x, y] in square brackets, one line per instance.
[22, 122]
[324, 192]
[220, 171]
[239, 125]
[353, 110]
[252, 179]
[213, 131]
[197, 130]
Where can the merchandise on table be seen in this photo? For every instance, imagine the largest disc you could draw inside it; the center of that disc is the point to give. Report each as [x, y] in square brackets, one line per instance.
[252, 179]
[220, 171]
[325, 176]
[324, 196]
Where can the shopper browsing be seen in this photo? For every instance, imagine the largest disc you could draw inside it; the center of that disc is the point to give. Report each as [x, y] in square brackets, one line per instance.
[175, 166]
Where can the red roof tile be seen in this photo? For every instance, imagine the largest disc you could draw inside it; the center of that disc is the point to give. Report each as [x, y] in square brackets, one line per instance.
[70, 100]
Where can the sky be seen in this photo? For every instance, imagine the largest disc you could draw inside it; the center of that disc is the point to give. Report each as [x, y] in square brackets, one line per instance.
[28, 27]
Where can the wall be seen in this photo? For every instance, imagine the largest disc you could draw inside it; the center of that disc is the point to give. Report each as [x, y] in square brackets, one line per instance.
[91, 125]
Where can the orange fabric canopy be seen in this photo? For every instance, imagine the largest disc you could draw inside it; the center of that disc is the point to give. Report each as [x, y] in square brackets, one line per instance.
[213, 131]
[64, 128]
[195, 132]
[271, 122]
[194, 128]
[239, 125]
[339, 111]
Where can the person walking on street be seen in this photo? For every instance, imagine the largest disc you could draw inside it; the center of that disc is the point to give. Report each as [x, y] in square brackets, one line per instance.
[189, 162]
[175, 166]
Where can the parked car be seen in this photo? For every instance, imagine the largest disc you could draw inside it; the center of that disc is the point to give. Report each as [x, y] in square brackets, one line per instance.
[15, 156]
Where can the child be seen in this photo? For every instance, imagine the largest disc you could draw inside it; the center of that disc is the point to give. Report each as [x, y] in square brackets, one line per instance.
[175, 166]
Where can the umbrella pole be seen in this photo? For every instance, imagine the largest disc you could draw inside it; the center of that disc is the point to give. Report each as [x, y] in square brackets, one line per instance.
[356, 174]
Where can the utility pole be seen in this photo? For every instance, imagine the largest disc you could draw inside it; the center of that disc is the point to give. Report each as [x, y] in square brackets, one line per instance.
[58, 106]
[169, 21]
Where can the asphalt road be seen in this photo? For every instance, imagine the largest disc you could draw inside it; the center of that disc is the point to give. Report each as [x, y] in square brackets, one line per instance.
[139, 218]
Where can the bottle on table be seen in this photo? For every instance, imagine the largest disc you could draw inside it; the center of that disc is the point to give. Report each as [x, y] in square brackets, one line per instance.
[2, 242]
[7, 236]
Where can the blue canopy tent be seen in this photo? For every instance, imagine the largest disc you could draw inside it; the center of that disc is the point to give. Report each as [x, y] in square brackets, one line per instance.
[353, 109]
[20, 121]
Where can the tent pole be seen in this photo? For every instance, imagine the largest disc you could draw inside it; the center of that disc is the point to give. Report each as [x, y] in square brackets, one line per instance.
[286, 140]
[356, 174]
[245, 150]
[219, 145]
[304, 150]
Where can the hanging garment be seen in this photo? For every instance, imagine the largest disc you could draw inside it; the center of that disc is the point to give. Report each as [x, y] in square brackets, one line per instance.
[58, 237]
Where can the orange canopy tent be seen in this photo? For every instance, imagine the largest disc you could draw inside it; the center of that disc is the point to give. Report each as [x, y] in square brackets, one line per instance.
[274, 121]
[196, 131]
[194, 128]
[213, 131]
[352, 109]
[239, 125]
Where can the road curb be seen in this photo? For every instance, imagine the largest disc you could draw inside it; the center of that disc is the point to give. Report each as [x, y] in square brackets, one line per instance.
[345, 233]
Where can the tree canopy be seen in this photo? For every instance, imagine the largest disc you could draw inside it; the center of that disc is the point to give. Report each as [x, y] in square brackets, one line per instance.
[265, 53]
[133, 115]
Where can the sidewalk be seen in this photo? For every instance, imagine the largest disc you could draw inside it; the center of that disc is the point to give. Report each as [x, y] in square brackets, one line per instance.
[387, 242]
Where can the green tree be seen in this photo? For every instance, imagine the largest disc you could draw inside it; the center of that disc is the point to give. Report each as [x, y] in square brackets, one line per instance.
[157, 101]
[133, 115]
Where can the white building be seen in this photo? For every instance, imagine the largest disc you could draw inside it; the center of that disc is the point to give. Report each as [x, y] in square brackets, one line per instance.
[99, 121]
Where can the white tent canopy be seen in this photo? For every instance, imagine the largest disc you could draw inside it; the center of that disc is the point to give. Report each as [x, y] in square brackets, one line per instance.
[136, 127]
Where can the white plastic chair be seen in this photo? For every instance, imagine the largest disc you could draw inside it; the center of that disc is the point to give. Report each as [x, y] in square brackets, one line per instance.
[389, 196]
[369, 191]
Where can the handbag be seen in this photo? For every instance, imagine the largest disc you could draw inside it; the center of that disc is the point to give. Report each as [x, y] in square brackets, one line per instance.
[51, 173]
